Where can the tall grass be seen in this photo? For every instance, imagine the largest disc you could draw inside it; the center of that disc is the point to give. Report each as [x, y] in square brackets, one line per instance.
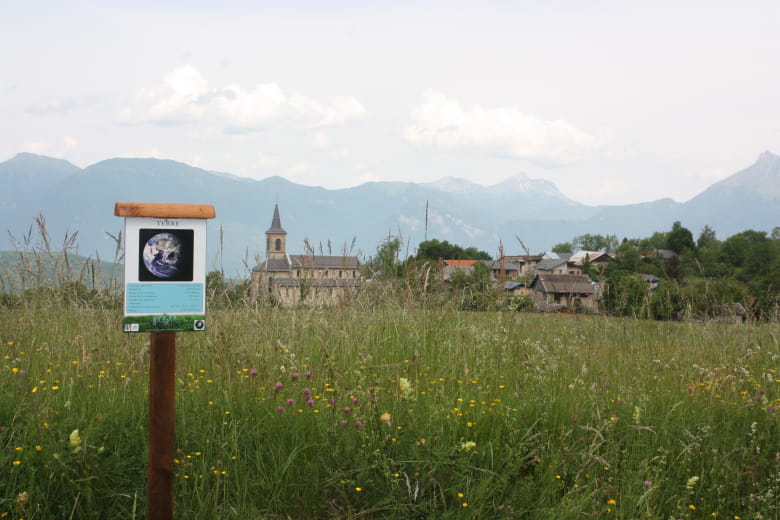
[394, 410]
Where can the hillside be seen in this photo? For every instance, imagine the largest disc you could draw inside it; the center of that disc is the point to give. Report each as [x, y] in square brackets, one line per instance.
[355, 219]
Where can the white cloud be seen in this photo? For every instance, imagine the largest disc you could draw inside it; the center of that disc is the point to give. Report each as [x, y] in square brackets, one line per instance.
[299, 167]
[186, 97]
[70, 142]
[34, 147]
[443, 123]
[320, 140]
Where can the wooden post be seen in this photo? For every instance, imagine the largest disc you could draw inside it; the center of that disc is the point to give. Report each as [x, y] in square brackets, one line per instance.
[161, 426]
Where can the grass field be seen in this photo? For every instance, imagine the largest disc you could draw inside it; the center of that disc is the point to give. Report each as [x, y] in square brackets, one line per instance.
[387, 412]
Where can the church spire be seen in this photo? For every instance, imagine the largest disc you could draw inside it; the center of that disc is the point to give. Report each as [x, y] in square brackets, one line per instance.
[276, 223]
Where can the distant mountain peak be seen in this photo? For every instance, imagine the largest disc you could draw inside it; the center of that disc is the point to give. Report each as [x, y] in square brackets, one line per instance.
[452, 185]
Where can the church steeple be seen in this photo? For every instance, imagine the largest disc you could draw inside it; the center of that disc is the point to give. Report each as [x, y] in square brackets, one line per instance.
[276, 237]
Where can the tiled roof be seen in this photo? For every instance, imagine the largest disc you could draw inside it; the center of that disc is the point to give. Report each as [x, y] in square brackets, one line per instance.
[324, 262]
[460, 263]
[495, 265]
[563, 283]
[548, 264]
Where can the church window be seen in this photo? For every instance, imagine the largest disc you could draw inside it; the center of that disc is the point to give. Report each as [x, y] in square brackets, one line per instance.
[278, 244]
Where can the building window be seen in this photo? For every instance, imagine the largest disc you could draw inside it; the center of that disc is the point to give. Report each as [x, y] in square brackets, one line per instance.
[278, 244]
[340, 273]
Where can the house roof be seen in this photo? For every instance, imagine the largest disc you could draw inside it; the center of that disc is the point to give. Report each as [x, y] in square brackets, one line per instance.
[593, 256]
[289, 262]
[563, 283]
[324, 262]
[460, 263]
[510, 286]
[495, 265]
[549, 264]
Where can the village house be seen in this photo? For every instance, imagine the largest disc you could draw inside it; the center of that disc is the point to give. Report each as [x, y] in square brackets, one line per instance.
[575, 291]
[292, 279]
[500, 270]
[557, 266]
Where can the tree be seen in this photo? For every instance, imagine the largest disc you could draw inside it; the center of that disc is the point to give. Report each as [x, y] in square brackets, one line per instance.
[563, 247]
[680, 239]
[385, 264]
[434, 249]
[588, 242]
[706, 237]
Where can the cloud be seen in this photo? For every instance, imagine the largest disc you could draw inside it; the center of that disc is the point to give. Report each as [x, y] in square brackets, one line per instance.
[186, 97]
[62, 106]
[440, 122]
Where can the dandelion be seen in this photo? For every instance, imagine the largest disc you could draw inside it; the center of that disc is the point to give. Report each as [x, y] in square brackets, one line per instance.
[612, 502]
[358, 489]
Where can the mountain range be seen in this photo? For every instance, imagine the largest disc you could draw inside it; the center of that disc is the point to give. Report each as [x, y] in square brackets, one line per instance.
[355, 220]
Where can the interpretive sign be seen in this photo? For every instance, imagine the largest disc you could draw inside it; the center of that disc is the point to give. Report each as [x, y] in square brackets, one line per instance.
[165, 267]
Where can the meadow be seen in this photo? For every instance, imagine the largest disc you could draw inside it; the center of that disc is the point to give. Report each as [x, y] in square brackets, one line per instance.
[394, 411]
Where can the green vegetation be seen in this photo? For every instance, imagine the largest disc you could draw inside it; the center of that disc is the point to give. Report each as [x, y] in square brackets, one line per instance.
[393, 407]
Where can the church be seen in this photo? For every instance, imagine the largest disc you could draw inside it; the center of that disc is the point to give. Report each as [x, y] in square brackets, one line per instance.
[292, 279]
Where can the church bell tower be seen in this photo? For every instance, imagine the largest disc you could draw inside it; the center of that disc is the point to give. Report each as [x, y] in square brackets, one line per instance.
[276, 238]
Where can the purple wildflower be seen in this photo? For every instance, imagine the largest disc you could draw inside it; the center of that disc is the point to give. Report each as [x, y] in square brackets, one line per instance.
[278, 386]
[290, 402]
[253, 372]
[358, 425]
[347, 409]
[279, 409]
[295, 375]
[344, 422]
[307, 391]
[354, 400]
[308, 375]
[310, 402]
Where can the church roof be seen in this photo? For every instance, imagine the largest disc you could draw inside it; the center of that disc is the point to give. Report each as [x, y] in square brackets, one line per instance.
[290, 262]
[325, 262]
[276, 223]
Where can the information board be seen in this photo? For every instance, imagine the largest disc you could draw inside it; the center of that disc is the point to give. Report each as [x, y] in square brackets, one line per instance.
[165, 274]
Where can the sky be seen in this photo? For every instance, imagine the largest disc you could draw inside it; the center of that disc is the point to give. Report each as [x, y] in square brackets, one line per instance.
[616, 102]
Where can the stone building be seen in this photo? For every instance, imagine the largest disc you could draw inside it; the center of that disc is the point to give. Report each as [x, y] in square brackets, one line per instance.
[292, 279]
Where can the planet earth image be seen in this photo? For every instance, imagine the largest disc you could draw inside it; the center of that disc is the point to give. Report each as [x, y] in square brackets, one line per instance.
[162, 255]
